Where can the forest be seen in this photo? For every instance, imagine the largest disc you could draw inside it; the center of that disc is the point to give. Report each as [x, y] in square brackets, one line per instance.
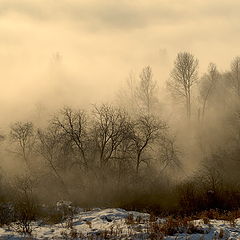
[180, 156]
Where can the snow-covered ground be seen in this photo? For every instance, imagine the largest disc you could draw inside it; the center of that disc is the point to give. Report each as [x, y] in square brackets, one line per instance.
[116, 224]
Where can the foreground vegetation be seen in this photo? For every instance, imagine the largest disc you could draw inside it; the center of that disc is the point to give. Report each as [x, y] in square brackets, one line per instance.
[65, 221]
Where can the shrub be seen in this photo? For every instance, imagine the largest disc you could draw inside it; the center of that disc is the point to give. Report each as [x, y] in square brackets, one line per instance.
[6, 213]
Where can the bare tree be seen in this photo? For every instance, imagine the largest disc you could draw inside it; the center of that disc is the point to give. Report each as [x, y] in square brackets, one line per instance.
[146, 90]
[110, 128]
[211, 173]
[25, 206]
[208, 83]
[146, 130]
[183, 76]
[73, 126]
[50, 148]
[140, 91]
[127, 93]
[23, 135]
[235, 74]
[168, 152]
[125, 158]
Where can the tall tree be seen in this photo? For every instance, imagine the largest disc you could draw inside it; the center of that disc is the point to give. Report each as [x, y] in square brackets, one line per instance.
[208, 83]
[235, 74]
[183, 76]
[146, 90]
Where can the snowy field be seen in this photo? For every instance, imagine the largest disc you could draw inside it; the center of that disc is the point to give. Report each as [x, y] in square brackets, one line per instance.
[122, 224]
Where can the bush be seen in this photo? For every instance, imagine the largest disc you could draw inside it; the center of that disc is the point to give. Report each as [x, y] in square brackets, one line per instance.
[6, 213]
[25, 212]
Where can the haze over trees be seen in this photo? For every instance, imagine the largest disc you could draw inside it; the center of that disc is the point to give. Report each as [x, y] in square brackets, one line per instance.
[133, 153]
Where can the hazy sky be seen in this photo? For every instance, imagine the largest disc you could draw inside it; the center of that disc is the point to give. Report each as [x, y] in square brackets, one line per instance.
[101, 41]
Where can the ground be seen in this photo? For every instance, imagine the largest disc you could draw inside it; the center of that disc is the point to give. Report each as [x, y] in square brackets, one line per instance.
[122, 224]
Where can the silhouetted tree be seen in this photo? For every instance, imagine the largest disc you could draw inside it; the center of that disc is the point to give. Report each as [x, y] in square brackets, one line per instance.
[73, 127]
[23, 134]
[110, 127]
[183, 76]
[146, 130]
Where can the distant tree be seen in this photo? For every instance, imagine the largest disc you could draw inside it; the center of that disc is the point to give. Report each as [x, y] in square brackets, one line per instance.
[146, 90]
[127, 94]
[183, 76]
[23, 134]
[235, 74]
[208, 83]
[141, 91]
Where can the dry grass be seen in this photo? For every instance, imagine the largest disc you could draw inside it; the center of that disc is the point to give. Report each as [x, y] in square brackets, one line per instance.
[229, 216]
[129, 220]
[172, 226]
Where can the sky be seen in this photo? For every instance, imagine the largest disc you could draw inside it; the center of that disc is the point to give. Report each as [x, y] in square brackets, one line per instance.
[64, 51]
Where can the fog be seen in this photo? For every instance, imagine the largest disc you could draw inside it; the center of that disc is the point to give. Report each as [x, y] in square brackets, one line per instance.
[100, 85]
[100, 42]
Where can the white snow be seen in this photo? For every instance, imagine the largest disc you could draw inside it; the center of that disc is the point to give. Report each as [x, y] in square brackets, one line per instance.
[97, 222]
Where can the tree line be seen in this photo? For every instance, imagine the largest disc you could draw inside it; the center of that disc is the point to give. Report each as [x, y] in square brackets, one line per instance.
[129, 153]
